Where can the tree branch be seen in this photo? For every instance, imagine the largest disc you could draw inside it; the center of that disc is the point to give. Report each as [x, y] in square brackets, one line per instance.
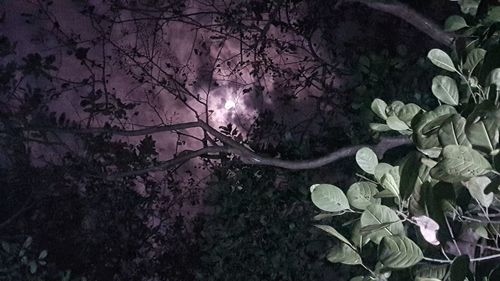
[410, 16]
[120, 132]
[385, 145]
[247, 156]
[164, 165]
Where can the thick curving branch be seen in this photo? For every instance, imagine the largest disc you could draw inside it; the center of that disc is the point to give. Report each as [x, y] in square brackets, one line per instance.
[380, 149]
[410, 16]
[231, 146]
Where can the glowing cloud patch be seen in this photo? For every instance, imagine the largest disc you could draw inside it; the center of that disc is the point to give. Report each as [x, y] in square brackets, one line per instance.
[229, 105]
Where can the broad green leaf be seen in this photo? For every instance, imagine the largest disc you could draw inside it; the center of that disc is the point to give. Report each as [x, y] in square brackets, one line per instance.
[483, 134]
[323, 216]
[460, 163]
[378, 107]
[360, 194]
[494, 78]
[459, 269]
[379, 214]
[493, 15]
[378, 127]
[445, 89]
[408, 111]
[394, 108]
[332, 231]
[396, 124]
[385, 194]
[329, 198]
[381, 169]
[429, 272]
[491, 61]
[474, 58]
[433, 152]
[390, 183]
[367, 160]
[343, 254]
[433, 126]
[413, 174]
[454, 23]
[441, 59]
[374, 227]
[476, 187]
[425, 126]
[452, 131]
[356, 237]
[399, 252]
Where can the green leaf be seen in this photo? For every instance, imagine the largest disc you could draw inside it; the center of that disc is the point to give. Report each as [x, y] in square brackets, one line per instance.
[476, 187]
[43, 255]
[399, 252]
[396, 124]
[469, 6]
[343, 254]
[429, 272]
[323, 216]
[379, 214]
[390, 183]
[385, 194]
[374, 227]
[474, 58]
[483, 134]
[356, 237]
[445, 89]
[425, 126]
[378, 127]
[367, 160]
[33, 267]
[381, 169]
[27, 242]
[360, 195]
[329, 198]
[452, 131]
[408, 111]
[394, 108]
[493, 15]
[332, 231]
[491, 61]
[454, 23]
[459, 269]
[412, 173]
[440, 59]
[378, 107]
[6, 247]
[460, 163]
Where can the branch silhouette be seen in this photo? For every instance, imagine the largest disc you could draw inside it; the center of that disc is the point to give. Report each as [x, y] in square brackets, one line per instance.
[410, 16]
[230, 146]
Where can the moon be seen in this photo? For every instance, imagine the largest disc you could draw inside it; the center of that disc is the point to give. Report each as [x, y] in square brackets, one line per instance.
[229, 105]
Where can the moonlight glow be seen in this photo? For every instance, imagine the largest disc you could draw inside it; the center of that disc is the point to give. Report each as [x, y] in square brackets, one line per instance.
[229, 105]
